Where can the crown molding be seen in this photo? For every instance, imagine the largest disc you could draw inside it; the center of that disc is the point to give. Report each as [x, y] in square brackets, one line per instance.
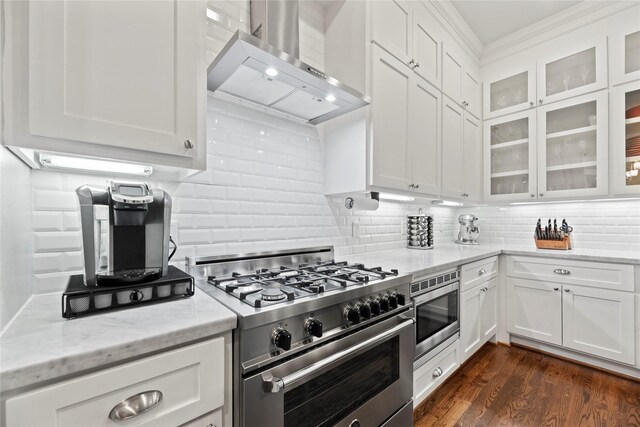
[457, 27]
[553, 26]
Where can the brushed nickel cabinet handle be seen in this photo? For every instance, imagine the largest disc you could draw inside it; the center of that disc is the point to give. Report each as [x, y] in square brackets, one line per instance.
[135, 405]
[562, 271]
[556, 289]
[532, 195]
[540, 101]
[481, 272]
[437, 373]
[567, 290]
[188, 144]
[531, 103]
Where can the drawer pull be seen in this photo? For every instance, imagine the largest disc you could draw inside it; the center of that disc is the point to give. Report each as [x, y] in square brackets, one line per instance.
[562, 271]
[135, 405]
[437, 373]
[556, 289]
[567, 290]
[481, 272]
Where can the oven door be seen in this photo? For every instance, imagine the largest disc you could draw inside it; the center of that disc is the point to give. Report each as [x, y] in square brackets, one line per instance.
[366, 376]
[437, 317]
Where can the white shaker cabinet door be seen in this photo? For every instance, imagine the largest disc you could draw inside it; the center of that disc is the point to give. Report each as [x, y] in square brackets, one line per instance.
[599, 322]
[427, 47]
[471, 159]
[470, 321]
[391, 27]
[389, 115]
[452, 74]
[424, 146]
[534, 310]
[471, 92]
[452, 129]
[123, 74]
[489, 310]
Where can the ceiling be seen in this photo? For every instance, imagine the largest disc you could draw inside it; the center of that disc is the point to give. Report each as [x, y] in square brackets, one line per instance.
[492, 20]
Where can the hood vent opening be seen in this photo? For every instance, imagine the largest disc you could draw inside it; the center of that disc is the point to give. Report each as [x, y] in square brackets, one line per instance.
[266, 70]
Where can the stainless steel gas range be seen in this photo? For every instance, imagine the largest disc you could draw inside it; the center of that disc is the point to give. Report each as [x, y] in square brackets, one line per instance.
[319, 342]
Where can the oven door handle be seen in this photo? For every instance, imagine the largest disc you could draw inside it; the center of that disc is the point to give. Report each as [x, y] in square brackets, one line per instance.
[273, 384]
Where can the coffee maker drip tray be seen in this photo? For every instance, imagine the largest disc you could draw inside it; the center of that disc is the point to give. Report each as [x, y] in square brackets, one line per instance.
[128, 277]
[80, 300]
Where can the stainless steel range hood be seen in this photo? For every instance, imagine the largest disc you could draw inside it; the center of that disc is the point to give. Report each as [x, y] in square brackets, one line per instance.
[266, 71]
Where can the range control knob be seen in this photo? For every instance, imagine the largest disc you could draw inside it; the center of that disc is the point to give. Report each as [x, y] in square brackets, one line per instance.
[313, 327]
[401, 299]
[281, 338]
[352, 314]
[393, 301]
[375, 307]
[365, 310]
[384, 304]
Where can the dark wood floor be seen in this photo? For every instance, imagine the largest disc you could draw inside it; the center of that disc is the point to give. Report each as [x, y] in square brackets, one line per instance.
[511, 386]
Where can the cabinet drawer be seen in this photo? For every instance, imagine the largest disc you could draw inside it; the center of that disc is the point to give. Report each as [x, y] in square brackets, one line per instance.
[212, 419]
[191, 380]
[571, 272]
[433, 373]
[478, 272]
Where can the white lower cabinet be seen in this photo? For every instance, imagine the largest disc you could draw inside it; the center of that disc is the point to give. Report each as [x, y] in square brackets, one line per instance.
[599, 322]
[478, 317]
[433, 373]
[534, 310]
[191, 380]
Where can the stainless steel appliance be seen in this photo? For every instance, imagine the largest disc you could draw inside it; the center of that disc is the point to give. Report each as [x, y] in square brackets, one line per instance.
[319, 342]
[265, 69]
[469, 231]
[436, 302]
[125, 233]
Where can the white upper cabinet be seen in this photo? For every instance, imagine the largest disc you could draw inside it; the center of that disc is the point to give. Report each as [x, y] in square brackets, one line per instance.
[509, 91]
[510, 157]
[391, 27]
[452, 74]
[110, 77]
[572, 71]
[424, 137]
[452, 140]
[573, 147]
[624, 56]
[427, 47]
[471, 90]
[471, 159]
[625, 138]
[389, 114]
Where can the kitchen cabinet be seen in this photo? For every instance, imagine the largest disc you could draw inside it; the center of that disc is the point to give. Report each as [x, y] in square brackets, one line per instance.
[192, 381]
[571, 71]
[478, 316]
[599, 322]
[534, 310]
[461, 152]
[405, 127]
[573, 147]
[407, 31]
[125, 80]
[509, 90]
[510, 157]
[427, 377]
[624, 55]
[625, 138]
[460, 81]
[579, 305]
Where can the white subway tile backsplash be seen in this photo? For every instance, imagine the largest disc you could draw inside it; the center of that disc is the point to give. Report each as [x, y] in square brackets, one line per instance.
[56, 241]
[46, 200]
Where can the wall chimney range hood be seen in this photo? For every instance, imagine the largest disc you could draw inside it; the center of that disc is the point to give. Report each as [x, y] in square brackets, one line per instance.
[264, 69]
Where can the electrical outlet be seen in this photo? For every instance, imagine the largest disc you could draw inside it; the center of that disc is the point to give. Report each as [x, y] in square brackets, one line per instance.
[173, 231]
[355, 229]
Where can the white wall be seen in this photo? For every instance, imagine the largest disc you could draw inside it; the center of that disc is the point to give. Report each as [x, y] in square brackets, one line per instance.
[609, 225]
[263, 190]
[15, 235]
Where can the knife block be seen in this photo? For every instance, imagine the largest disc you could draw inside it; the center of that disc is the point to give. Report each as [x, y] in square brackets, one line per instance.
[565, 244]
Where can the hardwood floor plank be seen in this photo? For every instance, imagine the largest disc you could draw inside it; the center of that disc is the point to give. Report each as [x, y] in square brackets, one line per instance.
[512, 386]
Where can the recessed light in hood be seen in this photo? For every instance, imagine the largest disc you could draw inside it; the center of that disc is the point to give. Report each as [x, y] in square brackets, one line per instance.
[297, 89]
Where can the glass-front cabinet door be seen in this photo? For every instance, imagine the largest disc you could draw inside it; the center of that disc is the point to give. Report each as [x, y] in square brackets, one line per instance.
[572, 147]
[509, 91]
[576, 71]
[625, 138]
[624, 57]
[510, 157]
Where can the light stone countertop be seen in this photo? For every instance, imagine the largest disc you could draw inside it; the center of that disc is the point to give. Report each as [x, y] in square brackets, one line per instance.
[40, 345]
[425, 262]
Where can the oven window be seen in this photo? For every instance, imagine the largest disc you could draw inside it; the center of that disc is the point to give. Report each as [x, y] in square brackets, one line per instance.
[328, 398]
[435, 315]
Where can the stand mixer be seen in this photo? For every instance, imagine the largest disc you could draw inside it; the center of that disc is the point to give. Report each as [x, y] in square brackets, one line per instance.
[469, 232]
